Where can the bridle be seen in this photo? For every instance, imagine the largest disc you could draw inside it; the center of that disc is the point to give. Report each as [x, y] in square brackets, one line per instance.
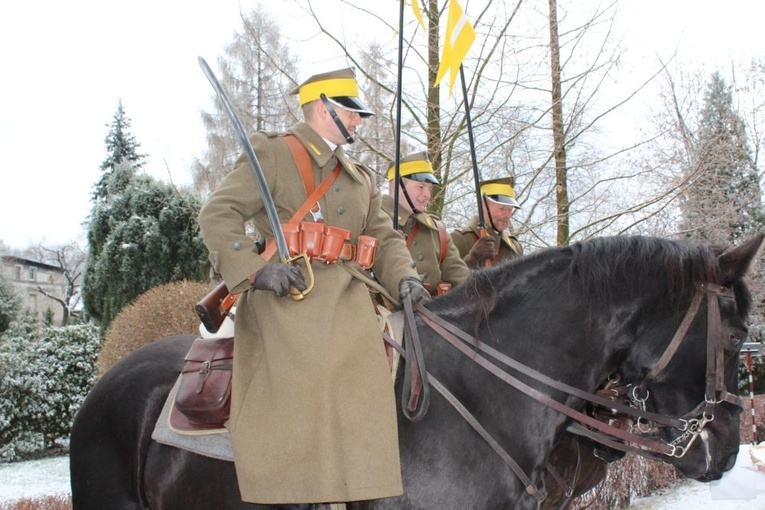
[610, 430]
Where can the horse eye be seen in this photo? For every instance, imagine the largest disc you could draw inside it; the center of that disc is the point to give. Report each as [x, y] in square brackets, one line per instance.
[736, 340]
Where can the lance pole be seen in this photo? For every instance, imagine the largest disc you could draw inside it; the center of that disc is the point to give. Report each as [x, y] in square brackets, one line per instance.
[476, 177]
[397, 157]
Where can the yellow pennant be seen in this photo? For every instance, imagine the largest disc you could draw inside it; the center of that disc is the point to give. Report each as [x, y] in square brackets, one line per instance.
[459, 37]
[418, 13]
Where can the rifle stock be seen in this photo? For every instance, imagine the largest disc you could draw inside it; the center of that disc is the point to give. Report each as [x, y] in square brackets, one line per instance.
[214, 307]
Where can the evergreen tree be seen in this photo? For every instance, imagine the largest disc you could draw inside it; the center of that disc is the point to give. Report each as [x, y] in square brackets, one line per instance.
[724, 205]
[9, 304]
[141, 235]
[121, 147]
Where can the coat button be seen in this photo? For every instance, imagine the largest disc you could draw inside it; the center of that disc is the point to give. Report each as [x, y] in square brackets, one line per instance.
[237, 246]
[340, 210]
[425, 275]
[414, 264]
[336, 187]
[421, 257]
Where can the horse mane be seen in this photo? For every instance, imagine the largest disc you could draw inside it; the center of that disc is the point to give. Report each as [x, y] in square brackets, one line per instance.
[607, 269]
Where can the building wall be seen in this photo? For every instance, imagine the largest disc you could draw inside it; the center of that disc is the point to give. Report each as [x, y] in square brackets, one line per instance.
[28, 277]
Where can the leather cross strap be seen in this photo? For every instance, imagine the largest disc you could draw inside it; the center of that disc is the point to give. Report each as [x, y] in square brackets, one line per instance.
[442, 238]
[412, 233]
[303, 162]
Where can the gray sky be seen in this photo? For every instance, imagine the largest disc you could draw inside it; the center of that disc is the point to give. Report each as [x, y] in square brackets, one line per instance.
[66, 65]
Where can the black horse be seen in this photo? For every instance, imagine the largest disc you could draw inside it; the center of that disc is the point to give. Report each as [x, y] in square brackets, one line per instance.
[581, 314]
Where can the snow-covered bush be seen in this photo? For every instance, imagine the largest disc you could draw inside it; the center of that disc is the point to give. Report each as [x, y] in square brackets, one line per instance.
[46, 374]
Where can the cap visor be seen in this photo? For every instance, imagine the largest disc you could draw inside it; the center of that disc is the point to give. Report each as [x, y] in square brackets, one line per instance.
[353, 104]
[504, 200]
[422, 177]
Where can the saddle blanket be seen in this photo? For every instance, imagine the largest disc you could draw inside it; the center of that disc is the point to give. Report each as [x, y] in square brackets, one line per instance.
[215, 443]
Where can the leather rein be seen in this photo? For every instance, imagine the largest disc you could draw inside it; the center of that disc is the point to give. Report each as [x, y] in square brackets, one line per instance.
[610, 429]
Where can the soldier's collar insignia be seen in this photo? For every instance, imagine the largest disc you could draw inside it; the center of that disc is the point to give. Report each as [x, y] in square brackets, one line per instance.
[314, 149]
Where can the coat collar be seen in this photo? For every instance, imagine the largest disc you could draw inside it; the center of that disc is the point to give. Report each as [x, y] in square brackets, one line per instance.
[404, 215]
[319, 150]
[502, 236]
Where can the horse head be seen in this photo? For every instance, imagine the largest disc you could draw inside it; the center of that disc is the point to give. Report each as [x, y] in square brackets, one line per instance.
[683, 362]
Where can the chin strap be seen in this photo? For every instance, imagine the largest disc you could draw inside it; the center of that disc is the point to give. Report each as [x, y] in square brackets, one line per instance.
[406, 195]
[488, 213]
[331, 109]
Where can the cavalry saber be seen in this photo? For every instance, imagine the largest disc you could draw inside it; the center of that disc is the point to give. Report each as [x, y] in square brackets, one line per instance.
[260, 178]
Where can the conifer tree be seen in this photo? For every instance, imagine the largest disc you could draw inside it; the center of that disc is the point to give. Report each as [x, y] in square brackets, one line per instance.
[10, 303]
[725, 203]
[121, 147]
[142, 234]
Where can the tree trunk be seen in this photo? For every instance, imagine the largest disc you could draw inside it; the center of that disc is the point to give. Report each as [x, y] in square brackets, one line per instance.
[434, 103]
[559, 139]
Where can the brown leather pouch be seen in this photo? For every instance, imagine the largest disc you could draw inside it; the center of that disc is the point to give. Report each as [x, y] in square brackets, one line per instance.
[204, 394]
[311, 238]
[292, 236]
[334, 238]
[366, 248]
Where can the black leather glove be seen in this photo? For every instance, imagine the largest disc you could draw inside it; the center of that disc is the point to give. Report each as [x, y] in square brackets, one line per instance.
[481, 251]
[411, 286]
[279, 278]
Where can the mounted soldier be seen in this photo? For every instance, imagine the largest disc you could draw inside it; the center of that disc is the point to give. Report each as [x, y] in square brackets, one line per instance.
[313, 416]
[496, 243]
[434, 255]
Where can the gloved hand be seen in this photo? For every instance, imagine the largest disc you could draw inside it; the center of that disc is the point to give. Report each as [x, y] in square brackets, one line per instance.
[481, 251]
[411, 286]
[279, 278]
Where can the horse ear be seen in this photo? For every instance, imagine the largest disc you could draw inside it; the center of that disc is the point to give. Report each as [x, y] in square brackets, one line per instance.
[735, 263]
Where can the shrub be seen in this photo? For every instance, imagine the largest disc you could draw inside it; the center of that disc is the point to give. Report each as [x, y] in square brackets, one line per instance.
[162, 311]
[42, 503]
[46, 374]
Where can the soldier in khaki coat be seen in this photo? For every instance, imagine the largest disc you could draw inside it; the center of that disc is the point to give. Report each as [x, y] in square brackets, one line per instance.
[434, 255]
[313, 416]
[496, 244]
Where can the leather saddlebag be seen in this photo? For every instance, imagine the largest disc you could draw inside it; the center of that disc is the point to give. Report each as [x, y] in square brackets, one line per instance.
[204, 393]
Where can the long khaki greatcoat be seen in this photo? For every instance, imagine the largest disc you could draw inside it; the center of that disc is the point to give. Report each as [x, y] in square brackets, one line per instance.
[313, 414]
[425, 248]
[464, 239]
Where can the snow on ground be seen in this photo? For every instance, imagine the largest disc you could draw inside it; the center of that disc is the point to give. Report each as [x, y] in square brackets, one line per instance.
[51, 476]
[34, 478]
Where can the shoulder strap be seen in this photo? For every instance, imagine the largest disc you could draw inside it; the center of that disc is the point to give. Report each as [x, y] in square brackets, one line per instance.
[442, 236]
[303, 162]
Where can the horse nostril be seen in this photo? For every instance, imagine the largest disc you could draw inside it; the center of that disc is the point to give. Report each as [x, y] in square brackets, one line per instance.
[730, 461]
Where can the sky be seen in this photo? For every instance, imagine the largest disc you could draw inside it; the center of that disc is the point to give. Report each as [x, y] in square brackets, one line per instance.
[65, 66]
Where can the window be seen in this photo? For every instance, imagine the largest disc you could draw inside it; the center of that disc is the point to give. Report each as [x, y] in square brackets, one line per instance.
[18, 272]
[32, 274]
